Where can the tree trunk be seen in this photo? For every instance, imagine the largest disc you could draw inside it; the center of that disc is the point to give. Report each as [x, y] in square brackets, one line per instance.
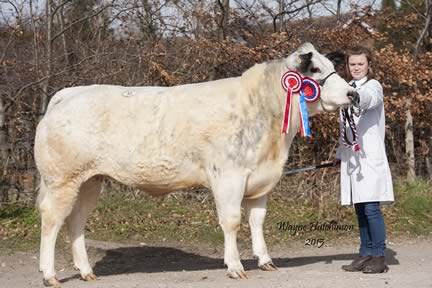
[3, 132]
[409, 142]
[63, 37]
[428, 37]
[35, 40]
[426, 28]
[428, 139]
[338, 11]
[281, 17]
[223, 19]
[428, 166]
[409, 132]
[4, 153]
[309, 10]
[45, 84]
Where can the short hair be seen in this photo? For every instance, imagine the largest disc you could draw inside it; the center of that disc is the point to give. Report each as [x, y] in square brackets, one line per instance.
[359, 50]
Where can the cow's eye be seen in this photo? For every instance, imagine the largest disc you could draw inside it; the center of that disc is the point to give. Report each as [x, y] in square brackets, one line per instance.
[315, 70]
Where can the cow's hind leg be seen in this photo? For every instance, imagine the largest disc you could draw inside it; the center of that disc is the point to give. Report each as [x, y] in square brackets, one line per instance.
[54, 205]
[255, 210]
[228, 190]
[85, 203]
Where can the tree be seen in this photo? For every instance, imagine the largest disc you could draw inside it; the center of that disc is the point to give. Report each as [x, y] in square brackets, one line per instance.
[76, 10]
[281, 18]
[309, 8]
[426, 33]
[409, 140]
[148, 17]
[224, 6]
[338, 10]
[409, 133]
[4, 153]
[412, 5]
[388, 4]
[49, 14]
[284, 9]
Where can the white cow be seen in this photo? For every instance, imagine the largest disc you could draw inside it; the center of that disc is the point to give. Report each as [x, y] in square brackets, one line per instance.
[224, 135]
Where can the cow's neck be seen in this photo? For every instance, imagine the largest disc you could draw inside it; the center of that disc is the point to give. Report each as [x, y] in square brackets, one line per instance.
[268, 96]
[280, 95]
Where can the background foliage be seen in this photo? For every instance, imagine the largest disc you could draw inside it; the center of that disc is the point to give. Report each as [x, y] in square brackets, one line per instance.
[71, 43]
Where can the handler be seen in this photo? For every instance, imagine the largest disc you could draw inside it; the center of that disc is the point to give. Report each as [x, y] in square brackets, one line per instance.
[365, 174]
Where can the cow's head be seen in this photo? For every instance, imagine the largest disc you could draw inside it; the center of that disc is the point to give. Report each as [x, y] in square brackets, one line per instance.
[335, 91]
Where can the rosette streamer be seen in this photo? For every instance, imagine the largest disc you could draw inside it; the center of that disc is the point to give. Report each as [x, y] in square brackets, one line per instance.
[309, 91]
[291, 82]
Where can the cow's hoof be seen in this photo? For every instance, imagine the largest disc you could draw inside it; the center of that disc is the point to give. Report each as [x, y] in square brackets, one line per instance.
[89, 277]
[269, 266]
[237, 274]
[52, 282]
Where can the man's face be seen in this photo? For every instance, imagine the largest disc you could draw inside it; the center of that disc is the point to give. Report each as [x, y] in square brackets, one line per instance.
[358, 66]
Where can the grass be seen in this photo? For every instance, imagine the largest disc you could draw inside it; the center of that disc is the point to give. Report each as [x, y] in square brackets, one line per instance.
[412, 213]
[19, 228]
[144, 219]
[148, 219]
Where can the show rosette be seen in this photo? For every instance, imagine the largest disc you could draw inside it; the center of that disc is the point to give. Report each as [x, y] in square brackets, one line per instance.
[309, 91]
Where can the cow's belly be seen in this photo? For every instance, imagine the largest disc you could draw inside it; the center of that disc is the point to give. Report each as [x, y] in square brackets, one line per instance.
[164, 189]
[159, 177]
[263, 179]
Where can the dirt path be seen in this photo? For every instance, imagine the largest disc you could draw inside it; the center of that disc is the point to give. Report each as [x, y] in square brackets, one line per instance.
[119, 265]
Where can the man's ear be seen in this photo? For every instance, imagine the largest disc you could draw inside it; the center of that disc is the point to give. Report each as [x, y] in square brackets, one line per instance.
[304, 61]
[337, 58]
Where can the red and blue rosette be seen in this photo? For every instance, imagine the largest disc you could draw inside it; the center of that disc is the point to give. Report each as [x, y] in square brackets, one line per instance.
[309, 92]
[291, 82]
[310, 89]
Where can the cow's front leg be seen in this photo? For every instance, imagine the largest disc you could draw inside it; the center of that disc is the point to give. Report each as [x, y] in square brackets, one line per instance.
[228, 190]
[255, 210]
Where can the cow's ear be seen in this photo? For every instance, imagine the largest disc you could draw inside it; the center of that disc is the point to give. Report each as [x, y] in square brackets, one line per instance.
[337, 58]
[304, 61]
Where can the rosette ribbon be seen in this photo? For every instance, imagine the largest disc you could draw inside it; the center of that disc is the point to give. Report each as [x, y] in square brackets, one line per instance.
[291, 82]
[309, 91]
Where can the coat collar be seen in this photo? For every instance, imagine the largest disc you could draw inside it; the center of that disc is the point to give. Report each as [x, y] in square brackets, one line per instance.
[359, 82]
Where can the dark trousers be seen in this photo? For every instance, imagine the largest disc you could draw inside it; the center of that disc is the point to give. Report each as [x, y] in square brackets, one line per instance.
[372, 229]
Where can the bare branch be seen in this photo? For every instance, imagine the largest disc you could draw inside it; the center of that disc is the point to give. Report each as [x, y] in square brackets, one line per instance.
[414, 8]
[423, 33]
[297, 9]
[7, 48]
[60, 6]
[289, 12]
[79, 21]
[21, 90]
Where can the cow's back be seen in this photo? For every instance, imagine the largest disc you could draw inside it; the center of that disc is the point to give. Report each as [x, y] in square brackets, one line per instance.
[153, 137]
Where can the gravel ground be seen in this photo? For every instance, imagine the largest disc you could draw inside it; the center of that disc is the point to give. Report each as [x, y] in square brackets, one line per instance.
[119, 265]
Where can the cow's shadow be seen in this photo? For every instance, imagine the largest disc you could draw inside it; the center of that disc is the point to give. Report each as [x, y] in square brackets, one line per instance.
[163, 259]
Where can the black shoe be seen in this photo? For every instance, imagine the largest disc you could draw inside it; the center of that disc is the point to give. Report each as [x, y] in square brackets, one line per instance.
[376, 265]
[358, 264]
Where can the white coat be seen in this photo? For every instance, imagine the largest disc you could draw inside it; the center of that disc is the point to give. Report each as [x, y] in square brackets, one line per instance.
[365, 174]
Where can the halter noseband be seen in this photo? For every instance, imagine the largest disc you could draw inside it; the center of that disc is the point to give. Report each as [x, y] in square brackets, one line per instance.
[321, 82]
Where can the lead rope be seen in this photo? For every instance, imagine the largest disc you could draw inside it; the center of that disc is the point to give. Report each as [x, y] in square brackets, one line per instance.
[349, 117]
